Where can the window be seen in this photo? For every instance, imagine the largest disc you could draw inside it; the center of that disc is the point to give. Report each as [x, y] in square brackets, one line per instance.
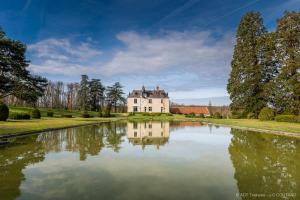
[161, 101]
[135, 134]
[162, 134]
[150, 109]
[162, 109]
[150, 100]
[145, 125]
[150, 133]
[150, 125]
[135, 125]
[145, 109]
[135, 108]
[135, 100]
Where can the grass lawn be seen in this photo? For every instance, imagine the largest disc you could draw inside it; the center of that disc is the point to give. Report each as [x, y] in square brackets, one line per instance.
[16, 126]
[257, 124]
[57, 112]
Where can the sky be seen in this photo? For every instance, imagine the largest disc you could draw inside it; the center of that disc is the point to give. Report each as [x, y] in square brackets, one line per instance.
[184, 46]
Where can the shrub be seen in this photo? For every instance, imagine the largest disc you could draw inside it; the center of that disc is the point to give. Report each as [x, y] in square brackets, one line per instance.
[36, 114]
[4, 112]
[287, 118]
[169, 114]
[217, 115]
[85, 115]
[19, 116]
[100, 114]
[201, 115]
[190, 115]
[251, 115]
[131, 114]
[266, 114]
[50, 114]
[66, 115]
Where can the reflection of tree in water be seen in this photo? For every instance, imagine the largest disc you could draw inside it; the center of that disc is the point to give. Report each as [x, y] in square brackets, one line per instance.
[114, 132]
[149, 141]
[265, 164]
[13, 159]
[87, 140]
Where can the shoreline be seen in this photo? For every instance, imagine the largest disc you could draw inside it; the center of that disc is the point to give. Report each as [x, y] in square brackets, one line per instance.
[81, 122]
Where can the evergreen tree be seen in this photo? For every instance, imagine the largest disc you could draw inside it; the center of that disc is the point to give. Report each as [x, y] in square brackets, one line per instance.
[269, 62]
[15, 79]
[245, 83]
[115, 94]
[96, 94]
[83, 93]
[287, 84]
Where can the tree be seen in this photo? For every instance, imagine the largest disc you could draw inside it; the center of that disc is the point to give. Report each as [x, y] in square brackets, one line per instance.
[115, 94]
[83, 93]
[96, 94]
[245, 83]
[287, 84]
[15, 79]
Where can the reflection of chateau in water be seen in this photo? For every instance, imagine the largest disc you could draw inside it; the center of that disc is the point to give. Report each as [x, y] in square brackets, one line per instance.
[148, 133]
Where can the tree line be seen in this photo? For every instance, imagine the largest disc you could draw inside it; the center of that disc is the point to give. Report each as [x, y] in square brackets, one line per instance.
[19, 87]
[265, 68]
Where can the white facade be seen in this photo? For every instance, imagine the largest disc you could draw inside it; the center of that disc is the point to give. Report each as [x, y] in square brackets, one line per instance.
[142, 104]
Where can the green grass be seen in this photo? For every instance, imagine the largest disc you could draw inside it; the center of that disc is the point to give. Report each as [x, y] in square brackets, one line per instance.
[15, 126]
[257, 124]
[57, 112]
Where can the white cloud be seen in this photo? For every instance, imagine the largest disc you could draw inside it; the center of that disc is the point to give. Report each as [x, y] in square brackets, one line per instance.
[193, 51]
[178, 61]
[61, 56]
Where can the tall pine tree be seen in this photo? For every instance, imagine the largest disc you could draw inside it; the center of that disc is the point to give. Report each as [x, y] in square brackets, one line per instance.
[15, 79]
[83, 93]
[245, 83]
[287, 84]
[96, 94]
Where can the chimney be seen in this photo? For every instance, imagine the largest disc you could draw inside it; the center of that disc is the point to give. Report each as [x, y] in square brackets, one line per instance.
[157, 88]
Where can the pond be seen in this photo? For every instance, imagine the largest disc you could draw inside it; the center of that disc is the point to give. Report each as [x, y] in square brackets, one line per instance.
[150, 160]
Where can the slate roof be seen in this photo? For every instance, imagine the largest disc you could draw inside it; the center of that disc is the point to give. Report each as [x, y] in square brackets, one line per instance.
[156, 93]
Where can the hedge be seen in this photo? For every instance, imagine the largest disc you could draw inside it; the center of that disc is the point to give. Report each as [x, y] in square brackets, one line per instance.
[66, 115]
[50, 114]
[288, 118]
[19, 116]
[4, 112]
[36, 114]
[85, 115]
[266, 114]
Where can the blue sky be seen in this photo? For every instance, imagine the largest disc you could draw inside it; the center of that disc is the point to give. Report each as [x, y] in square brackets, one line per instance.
[185, 46]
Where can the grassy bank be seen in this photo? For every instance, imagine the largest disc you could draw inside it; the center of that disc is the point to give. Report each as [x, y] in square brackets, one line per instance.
[16, 126]
[257, 124]
[245, 123]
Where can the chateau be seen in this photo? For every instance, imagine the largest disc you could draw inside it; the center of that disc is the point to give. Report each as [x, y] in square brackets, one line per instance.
[148, 101]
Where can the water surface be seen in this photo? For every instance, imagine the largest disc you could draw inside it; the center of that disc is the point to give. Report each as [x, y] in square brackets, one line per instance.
[150, 160]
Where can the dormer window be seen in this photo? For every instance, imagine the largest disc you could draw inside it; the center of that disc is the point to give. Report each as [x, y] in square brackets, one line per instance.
[135, 100]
